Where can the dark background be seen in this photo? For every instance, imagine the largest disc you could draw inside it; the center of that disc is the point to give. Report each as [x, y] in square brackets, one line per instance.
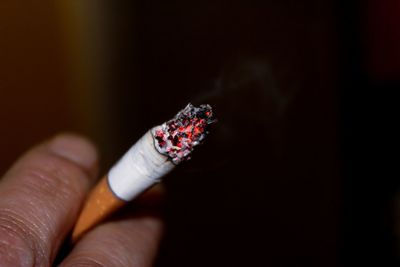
[300, 169]
[264, 190]
[369, 82]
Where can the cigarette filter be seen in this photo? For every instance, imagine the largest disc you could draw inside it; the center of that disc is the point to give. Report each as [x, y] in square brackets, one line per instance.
[154, 155]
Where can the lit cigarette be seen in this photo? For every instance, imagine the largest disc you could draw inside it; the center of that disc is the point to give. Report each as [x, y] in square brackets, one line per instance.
[154, 155]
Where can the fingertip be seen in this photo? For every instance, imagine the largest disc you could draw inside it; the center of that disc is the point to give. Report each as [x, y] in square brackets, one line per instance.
[76, 149]
[155, 196]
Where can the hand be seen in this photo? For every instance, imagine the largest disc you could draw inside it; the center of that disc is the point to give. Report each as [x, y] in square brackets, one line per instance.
[40, 199]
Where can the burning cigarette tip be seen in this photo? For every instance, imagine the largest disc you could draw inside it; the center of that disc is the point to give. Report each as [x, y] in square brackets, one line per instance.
[177, 137]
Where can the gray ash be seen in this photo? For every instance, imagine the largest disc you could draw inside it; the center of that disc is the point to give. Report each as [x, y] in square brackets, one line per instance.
[176, 138]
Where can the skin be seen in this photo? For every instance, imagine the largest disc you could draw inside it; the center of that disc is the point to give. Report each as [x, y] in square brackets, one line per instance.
[40, 199]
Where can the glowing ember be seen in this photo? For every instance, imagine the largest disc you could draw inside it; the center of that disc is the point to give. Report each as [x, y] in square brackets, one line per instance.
[177, 137]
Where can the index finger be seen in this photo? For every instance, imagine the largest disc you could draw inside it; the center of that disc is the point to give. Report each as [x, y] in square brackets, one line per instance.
[40, 198]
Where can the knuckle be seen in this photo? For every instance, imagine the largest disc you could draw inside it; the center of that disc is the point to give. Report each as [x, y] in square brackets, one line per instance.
[19, 243]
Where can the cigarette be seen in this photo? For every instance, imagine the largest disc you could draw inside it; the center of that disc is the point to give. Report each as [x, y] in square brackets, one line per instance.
[154, 155]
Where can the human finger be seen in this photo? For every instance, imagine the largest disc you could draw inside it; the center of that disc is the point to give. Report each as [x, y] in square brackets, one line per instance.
[125, 243]
[40, 197]
[131, 240]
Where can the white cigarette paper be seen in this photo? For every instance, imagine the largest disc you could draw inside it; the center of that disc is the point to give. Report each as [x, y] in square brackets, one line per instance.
[158, 151]
[140, 168]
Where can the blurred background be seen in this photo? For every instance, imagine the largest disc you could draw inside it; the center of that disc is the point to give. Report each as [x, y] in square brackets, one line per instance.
[301, 168]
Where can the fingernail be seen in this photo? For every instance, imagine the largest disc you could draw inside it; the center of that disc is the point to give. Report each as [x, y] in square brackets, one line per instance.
[76, 149]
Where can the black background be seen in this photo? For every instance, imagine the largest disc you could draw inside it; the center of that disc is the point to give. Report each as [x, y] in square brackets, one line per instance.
[299, 169]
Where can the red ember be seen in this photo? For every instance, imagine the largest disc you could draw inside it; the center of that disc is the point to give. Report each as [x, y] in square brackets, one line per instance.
[177, 137]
